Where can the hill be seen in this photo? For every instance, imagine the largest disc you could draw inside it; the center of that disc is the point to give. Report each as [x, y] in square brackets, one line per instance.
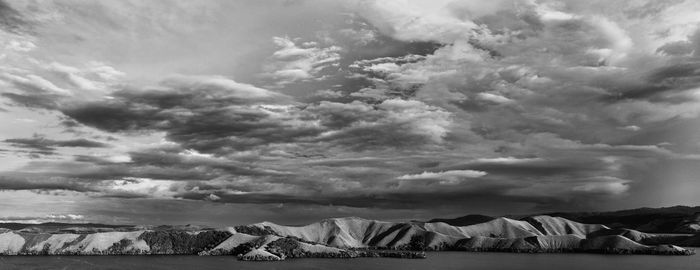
[352, 237]
[676, 219]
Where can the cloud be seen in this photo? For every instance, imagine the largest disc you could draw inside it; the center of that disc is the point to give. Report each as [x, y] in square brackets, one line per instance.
[505, 105]
[222, 86]
[50, 85]
[213, 197]
[67, 218]
[495, 98]
[44, 146]
[604, 185]
[455, 174]
[410, 20]
[34, 83]
[202, 113]
[562, 166]
[508, 160]
[12, 20]
[392, 123]
[41, 143]
[294, 62]
[218, 115]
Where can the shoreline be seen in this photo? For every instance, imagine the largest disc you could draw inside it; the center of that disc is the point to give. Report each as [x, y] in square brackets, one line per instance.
[398, 254]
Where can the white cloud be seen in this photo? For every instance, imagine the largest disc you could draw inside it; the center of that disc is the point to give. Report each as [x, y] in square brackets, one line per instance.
[604, 185]
[495, 98]
[66, 216]
[294, 62]
[34, 81]
[508, 160]
[214, 82]
[446, 175]
[429, 121]
[145, 187]
[213, 197]
[327, 93]
[20, 45]
[417, 20]
[43, 219]
[631, 128]
[94, 76]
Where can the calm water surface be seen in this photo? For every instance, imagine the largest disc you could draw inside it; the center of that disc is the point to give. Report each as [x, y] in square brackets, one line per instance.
[441, 260]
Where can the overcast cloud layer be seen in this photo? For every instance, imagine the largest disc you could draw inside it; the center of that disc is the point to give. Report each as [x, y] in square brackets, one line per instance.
[229, 112]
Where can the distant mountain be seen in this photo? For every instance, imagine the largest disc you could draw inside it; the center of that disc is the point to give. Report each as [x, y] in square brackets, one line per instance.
[676, 219]
[465, 220]
[60, 227]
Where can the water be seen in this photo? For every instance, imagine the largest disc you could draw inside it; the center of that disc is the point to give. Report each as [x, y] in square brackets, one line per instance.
[441, 260]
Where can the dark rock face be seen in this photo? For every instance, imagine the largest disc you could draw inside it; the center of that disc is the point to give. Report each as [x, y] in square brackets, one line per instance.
[535, 224]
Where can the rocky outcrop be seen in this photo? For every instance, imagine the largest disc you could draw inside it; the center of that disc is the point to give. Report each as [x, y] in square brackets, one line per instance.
[259, 255]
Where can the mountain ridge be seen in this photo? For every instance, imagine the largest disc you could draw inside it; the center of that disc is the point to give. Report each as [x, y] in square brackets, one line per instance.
[673, 219]
[346, 237]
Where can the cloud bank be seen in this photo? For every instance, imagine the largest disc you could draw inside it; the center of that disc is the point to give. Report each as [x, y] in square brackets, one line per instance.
[359, 107]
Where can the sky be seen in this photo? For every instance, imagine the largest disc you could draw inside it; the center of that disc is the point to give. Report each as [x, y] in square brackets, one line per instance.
[224, 112]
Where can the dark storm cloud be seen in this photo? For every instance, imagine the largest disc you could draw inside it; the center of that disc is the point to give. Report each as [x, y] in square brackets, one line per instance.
[393, 123]
[33, 181]
[673, 78]
[430, 196]
[534, 167]
[110, 171]
[212, 120]
[209, 115]
[171, 158]
[404, 200]
[42, 142]
[114, 116]
[43, 145]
